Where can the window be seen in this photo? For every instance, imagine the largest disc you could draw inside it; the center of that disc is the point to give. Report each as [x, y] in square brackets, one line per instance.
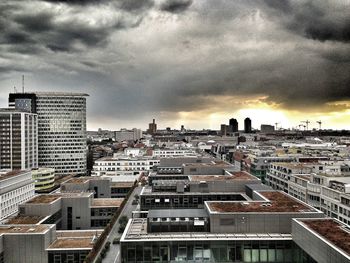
[227, 221]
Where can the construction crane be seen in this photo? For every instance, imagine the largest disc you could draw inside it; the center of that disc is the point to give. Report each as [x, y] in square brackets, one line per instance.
[319, 123]
[307, 124]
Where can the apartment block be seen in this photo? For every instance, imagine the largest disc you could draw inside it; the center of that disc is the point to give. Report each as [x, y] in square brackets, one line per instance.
[324, 185]
[123, 168]
[18, 139]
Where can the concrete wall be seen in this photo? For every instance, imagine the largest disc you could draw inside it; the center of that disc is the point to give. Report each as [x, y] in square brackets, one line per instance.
[222, 186]
[204, 170]
[317, 248]
[42, 209]
[27, 247]
[257, 222]
[103, 188]
[81, 217]
[178, 161]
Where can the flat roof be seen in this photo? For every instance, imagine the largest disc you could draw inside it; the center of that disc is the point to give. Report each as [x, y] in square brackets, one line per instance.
[121, 184]
[43, 199]
[276, 202]
[77, 180]
[24, 220]
[212, 163]
[292, 165]
[136, 231]
[72, 242]
[6, 174]
[24, 228]
[168, 213]
[48, 93]
[235, 176]
[107, 202]
[331, 230]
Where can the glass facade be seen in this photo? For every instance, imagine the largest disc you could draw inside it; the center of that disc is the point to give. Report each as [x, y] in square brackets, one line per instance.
[213, 251]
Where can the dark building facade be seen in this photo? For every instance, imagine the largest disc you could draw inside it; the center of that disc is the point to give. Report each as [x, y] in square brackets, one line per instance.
[247, 125]
[233, 125]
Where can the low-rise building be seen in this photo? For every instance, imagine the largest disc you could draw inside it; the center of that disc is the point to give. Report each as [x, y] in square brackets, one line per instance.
[33, 243]
[123, 168]
[44, 179]
[16, 187]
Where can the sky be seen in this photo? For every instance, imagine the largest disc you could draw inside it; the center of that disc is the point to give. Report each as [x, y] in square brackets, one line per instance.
[184, 62]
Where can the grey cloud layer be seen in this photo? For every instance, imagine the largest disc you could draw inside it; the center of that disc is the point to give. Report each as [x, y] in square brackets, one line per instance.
[147, 56]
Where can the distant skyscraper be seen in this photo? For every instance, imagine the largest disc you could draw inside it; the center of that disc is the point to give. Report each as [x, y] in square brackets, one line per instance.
[152, 127]
[233, 125]
[247, 125]
[61, 128]
[18, 140]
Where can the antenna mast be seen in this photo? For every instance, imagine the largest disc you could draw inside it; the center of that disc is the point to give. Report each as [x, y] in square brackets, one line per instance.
[22, 83]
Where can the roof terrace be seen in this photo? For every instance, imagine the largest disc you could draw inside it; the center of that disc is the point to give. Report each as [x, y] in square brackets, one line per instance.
[44, 199]
[331, 230]
[276, 202]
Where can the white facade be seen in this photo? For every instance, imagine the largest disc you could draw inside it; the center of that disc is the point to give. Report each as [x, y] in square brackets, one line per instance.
[61, 128]
[329, 193]
[125, 168]
[16, 187]
[168, 153]
[18, 140]
[128, 135]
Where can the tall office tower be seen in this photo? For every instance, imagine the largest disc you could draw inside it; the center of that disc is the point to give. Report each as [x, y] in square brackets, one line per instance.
[152, 127]
[247, 125]
[18, 140]
[61, 128]
[233, 125]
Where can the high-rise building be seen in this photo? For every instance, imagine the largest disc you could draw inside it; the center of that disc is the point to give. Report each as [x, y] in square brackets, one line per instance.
[152, 127]
[247, 125]
[233, 125]
[18, 140]
[61, 128]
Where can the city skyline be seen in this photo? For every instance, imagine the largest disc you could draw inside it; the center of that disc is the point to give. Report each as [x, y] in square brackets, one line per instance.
[184, 62]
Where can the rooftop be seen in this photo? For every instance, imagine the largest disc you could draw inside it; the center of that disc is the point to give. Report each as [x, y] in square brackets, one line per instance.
[6, 174]
[43, 199]
[122, 184]
[293, 165]
[77, 180]
[75, 239]
[331, 230]
[42, 93]
[212, 163]
[235, 176]
[278, 202]
[107, 202]
[24, 220]
[137, 231]
[24, 229]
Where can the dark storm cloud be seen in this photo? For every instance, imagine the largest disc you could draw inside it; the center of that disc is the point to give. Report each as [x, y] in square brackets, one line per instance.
[326, 20]
[145, 56]
[42, 28]
[175, 6]
[78, 2]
